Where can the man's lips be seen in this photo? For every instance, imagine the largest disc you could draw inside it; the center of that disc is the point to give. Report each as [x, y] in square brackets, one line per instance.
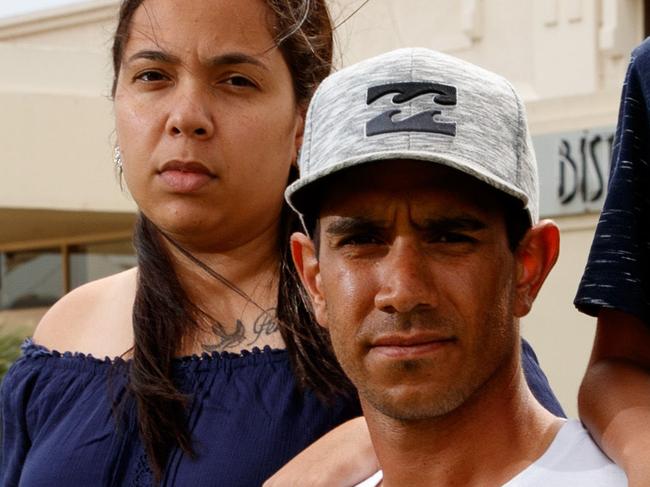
[185, 176]
[410, 345]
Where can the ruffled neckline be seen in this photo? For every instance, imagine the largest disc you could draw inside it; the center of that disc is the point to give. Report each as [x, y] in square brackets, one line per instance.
[31, 349]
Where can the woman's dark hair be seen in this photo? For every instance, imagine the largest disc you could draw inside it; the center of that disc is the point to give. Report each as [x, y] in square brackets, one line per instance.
[303, 32]
[163, 315]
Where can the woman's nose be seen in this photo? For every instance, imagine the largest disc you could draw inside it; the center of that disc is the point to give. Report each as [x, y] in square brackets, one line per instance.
[190, 115]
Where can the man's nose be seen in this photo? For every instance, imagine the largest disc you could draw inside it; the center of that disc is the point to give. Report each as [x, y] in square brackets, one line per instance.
[406, 279]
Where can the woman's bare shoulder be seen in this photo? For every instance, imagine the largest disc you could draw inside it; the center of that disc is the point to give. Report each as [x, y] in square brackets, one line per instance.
[93, 319]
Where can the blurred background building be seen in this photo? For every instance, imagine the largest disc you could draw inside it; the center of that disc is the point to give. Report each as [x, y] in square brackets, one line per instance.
[65, 220]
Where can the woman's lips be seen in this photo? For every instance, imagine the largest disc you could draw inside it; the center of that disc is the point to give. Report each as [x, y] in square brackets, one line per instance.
[185, 177]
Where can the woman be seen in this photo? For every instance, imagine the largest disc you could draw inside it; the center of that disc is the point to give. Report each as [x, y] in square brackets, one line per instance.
[208, 121]
[209, 103]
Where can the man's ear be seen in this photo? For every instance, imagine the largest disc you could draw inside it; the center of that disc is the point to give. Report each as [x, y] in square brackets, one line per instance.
[536, 255]
[306, 262]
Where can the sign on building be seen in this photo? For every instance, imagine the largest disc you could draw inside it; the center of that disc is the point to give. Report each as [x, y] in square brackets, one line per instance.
[573, 170]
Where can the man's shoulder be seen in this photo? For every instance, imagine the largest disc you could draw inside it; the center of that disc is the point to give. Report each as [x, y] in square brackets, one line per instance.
[572, 459]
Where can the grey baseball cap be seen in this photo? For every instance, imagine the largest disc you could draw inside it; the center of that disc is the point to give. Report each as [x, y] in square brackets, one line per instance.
[418, 104]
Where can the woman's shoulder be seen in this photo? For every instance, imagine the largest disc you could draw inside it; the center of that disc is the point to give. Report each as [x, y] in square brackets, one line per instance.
[92, 319]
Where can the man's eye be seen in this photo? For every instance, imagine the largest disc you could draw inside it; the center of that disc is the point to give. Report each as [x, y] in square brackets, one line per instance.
[240, 81]
[452, 237]
[365, 239]
[150, 76]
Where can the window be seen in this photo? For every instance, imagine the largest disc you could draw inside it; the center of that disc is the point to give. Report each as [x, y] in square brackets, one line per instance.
[36, 278]
[30, 279]
[93, 261]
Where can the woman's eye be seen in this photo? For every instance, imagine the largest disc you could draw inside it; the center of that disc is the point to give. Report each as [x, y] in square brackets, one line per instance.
[150, 76]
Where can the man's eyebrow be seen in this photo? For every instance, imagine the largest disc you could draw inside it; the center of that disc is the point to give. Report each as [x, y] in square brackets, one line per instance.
[459, 223]
[347, 225]
[226, 59]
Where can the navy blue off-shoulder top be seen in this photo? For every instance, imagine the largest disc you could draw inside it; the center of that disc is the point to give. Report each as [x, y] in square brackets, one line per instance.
[246, 415]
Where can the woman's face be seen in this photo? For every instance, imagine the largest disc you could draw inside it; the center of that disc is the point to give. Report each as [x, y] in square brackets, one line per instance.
[206, 119]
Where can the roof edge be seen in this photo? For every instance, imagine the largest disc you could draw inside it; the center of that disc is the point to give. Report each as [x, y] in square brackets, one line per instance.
[57, 18]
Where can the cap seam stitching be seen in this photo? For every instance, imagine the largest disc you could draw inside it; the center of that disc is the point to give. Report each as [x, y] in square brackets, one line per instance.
[411, 103]
[316, 100]
[520, 134]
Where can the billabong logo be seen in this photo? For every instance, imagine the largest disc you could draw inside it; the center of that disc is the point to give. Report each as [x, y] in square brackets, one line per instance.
[421, 122]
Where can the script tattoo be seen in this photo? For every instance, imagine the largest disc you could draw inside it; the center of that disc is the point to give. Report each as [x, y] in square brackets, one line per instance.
[263, 326]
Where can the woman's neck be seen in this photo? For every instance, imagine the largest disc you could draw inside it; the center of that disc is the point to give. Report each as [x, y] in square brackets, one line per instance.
[237, 289]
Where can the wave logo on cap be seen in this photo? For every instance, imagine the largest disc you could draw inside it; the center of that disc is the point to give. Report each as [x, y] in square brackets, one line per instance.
[425, 121]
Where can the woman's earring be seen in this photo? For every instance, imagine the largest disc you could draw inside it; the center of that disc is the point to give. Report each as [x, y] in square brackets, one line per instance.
[117, 159]
[296, 160]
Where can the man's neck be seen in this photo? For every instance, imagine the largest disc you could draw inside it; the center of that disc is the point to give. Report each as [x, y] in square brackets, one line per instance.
[487, 441]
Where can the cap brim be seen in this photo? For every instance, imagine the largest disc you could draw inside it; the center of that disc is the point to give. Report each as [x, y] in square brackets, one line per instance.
[298, 197]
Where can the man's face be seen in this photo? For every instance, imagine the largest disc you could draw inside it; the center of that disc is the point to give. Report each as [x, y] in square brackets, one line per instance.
[417, 284]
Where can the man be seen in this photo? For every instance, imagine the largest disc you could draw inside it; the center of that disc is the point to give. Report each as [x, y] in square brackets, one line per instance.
[419, 191]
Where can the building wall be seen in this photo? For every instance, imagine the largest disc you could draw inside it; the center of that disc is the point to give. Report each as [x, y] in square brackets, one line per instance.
[566, 57]
[59, 139]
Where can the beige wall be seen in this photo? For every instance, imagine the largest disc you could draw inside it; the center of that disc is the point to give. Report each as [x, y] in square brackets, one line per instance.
[566, 57]
[57, 143]
[561, 336]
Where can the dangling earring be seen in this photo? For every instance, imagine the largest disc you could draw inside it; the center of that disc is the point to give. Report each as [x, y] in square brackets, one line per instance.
[296, 161]
[117, 159]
